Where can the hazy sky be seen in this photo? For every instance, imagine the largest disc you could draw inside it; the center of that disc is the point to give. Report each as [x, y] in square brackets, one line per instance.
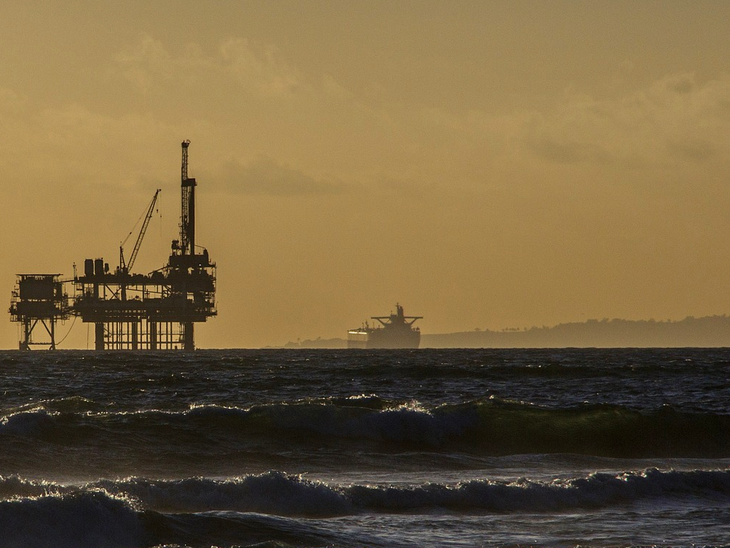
[486, 164]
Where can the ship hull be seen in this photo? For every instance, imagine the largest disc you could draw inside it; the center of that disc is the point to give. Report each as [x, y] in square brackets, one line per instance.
[384, 338]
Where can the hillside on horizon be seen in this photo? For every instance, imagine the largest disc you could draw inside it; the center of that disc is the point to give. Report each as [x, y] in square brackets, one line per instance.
[708, 331]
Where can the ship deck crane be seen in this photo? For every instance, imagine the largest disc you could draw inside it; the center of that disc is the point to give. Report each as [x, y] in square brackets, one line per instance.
[126, 267]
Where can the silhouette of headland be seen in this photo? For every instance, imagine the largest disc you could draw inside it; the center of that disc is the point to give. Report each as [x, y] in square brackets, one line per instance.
[704, 332]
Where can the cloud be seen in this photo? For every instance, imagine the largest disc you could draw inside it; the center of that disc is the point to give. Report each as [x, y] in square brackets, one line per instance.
[146, 63]
[672, 121]
[266, 176]
[11, 102]
[680, 83]
[76, 147]
[566, 151]
[333, 88]
[257, 69]
[698, 150]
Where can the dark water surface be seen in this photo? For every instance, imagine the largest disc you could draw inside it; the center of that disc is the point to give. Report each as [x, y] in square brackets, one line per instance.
[574, 447]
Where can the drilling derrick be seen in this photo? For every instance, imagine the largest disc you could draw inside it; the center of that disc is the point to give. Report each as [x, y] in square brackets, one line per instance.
[187, 215]
[191, 274]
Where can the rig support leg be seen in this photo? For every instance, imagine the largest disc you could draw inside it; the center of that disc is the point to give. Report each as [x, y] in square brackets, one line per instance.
[99, 336]
[153, 335]
[188, 336]
[135, 336]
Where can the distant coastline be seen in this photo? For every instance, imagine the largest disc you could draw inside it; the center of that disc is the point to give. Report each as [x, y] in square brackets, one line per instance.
[708, 331]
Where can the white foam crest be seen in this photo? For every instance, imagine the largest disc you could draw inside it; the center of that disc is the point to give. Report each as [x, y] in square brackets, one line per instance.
[594, 491]
[138, 412]
[203, 410]
[14, 486]
[363, 396]
[27, 422]
[411, 423]
[270, 493]
[408, 422]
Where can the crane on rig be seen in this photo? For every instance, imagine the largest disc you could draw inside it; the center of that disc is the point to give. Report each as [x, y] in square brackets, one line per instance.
[125, 267]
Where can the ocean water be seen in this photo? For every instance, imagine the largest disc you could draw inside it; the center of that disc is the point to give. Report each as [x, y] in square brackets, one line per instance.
[428, 448]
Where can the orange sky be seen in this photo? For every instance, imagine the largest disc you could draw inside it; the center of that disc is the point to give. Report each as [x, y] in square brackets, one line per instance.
[485, 164]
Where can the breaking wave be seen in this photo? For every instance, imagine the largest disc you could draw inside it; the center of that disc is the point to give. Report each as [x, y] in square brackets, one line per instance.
[97, 518]
[486, 427]
[85, 518]
[269, 507]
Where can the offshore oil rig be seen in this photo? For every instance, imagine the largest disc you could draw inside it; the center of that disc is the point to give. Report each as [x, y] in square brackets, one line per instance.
[155, 311]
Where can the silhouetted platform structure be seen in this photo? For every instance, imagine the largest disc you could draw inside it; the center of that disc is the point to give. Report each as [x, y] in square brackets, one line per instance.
[38, 300]
[155, 311]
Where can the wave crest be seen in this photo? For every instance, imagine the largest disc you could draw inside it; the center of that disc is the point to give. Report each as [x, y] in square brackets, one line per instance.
[86, 518]
[487, 427]
[280, 494]
[269, 493]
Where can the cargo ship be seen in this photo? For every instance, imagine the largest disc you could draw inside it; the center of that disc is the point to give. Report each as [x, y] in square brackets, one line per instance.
[393, 331]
